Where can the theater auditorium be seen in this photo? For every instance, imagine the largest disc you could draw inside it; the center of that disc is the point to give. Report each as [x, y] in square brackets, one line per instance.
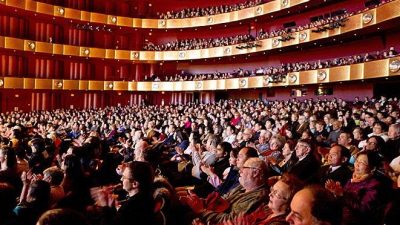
[201, 112]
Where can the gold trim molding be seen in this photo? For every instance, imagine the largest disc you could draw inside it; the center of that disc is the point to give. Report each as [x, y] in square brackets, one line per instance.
[381, 14]
[85, 16]
[374, 69]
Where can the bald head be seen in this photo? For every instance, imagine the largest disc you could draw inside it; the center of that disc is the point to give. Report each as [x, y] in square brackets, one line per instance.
[314, 205]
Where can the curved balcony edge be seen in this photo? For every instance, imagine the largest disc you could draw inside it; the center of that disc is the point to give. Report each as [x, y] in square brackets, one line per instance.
[384, 68]
[356, 22]
[85, 16]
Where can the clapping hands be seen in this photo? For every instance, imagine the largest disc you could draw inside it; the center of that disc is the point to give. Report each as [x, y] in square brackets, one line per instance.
[334, 187]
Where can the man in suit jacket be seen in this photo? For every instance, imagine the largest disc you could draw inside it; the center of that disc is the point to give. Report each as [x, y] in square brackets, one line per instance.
[307, 164]
[337, 168]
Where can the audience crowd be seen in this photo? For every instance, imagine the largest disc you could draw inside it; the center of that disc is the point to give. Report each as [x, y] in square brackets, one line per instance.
[209, 11]
[197, 43]
[329, 22]
[286, 34]
[279, 73]
[315, 161]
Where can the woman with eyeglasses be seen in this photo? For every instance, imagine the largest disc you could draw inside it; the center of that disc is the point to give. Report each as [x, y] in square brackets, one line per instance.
[278, 207]
[365, 195]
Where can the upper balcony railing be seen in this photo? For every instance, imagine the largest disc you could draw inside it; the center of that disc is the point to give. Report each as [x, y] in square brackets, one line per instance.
[92, 17]
[383, 68]
[356, 22]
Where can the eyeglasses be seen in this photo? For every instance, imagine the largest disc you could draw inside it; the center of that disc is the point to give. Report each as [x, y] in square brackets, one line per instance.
[300, 145]
[361, 162]
[248, 167]
[276, 195]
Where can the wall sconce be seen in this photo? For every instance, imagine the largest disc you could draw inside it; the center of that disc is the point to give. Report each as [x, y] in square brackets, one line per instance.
[199, 84]
[242, 83]
[31, 45]
[1, 82]
[110, 85]
[59, 84]
[267, 79]
[367, 18]
[227, 50]
[302, 36]
[321, 75]
[86, 51]
[292, 78]
[162, 23]
[275, 42]
[135, 55]
[259, 10]
[72, 95]
[113, 19]
[182, 54]
[61, 11]
[394, 66]
[16, 95]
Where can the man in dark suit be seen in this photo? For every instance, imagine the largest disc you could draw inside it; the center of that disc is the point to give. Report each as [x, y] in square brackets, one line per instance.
[336, 169]
[307, 163]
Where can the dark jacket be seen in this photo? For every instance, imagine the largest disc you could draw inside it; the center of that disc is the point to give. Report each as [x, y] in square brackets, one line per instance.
[306, 168]
[341, 174]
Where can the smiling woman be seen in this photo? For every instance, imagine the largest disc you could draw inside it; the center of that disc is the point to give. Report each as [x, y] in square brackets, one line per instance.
[366, 195]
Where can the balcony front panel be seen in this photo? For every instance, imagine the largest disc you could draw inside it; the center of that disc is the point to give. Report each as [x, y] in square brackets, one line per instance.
[355, 22]
[374, 69]
[340, 73]
[93, 17]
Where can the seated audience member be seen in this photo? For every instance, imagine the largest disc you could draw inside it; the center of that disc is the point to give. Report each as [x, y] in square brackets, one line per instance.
[278, 206]
[263, 141]
[22, 163]
[375, 144]
[346, 139]
[137, 180]
[379, 129]
[392, 149]
[247, 138]
[306, 164]
[75, 185]
[274, 153]
[232, 178]
[336, 169]
[300, 127]
[289, 158]
[204, 155]
[364, 196]
[34, 200]
[320, 134]
[359, 138]
[7, 196]
[215, 172]
[252, 194]
[230, 135]
[334, 133]
[314, 205]
[54, 177]
[62, 217]
[8, 167]
[180, 155]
